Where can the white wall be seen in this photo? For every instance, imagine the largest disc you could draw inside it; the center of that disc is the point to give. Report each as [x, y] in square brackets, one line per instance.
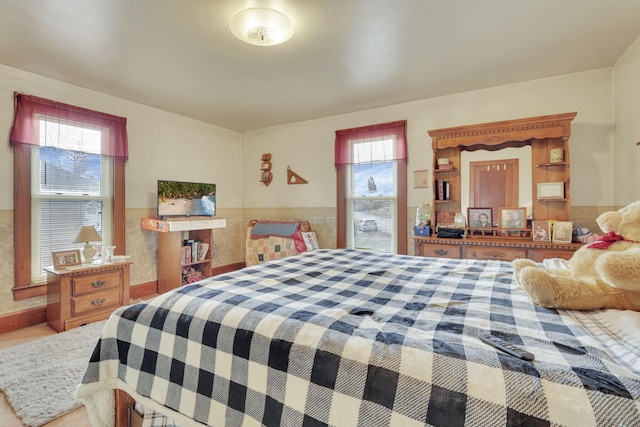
[627, 133]
[161, 145]
[308, 147]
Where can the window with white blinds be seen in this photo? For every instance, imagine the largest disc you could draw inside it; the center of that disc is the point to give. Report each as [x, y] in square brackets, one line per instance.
[71, 186]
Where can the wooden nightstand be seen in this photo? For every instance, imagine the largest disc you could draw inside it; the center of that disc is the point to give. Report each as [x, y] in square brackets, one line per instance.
[80, 296]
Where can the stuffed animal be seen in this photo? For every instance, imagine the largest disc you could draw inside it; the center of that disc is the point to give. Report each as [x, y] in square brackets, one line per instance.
[602, 274]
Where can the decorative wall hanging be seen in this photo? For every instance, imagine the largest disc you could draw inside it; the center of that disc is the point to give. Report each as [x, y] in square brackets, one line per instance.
[265, 169]
[420, 179]
[294, 178]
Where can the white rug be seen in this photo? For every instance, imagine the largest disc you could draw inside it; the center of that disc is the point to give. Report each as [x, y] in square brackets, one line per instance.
[39, 378]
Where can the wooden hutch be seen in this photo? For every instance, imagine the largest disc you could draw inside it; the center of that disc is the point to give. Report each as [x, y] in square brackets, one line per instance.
[543, 134]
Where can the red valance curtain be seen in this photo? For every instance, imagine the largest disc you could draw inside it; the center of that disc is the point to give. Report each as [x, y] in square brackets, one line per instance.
[28, 108]
[397, 130]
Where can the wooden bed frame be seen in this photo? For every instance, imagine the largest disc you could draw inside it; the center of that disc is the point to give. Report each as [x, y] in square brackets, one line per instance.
[124, 406]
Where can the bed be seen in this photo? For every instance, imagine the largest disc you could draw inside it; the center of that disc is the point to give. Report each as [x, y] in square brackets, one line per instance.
[356, 338]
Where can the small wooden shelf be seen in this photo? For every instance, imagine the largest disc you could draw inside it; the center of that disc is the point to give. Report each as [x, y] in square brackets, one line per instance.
[546, 165]
[550, 200]
[204, 261]
[446, 201]
[445, 170]
[171, 236]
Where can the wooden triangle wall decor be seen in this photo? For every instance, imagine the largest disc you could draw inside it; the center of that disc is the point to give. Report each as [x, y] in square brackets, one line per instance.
[294, 178]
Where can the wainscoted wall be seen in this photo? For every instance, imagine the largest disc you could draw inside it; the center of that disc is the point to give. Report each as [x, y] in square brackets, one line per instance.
[228, 246]
[228, 242]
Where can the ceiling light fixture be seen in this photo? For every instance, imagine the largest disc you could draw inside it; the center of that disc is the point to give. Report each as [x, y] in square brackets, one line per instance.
[261, 27]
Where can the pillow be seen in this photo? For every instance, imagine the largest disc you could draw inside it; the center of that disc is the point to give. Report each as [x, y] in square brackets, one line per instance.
[310, 240]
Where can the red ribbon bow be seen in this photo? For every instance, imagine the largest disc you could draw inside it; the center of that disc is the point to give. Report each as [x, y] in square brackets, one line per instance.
[605, 241]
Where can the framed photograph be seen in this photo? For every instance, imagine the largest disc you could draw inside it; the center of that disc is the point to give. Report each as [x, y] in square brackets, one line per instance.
[63, 259]
[513, 218]
[550, 190]
[480, 217]
[540, 231]
[420, 179]
[562, 231]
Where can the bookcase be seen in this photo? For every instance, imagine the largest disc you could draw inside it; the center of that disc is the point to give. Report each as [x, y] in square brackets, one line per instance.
[171, 237]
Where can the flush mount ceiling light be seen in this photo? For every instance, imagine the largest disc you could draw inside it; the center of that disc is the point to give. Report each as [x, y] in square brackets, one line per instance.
[261, 27]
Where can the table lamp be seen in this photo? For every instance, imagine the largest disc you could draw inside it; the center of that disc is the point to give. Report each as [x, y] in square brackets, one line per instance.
[86, 234]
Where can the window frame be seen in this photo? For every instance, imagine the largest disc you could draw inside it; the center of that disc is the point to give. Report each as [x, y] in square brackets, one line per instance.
[23, 143]
[401, 226]
[23, 287]
[343, 178]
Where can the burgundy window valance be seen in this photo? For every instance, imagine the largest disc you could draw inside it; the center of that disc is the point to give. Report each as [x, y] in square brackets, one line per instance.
[28, 108]
[398, 130]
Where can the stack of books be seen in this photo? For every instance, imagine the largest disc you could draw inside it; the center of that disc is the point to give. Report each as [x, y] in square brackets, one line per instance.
[444, 190]
[194, 251]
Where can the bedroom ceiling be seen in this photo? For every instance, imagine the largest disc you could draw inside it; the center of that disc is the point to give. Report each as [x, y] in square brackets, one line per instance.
[345, 55]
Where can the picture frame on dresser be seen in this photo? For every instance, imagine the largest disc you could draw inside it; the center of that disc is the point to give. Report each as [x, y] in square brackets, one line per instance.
[62, 259]
[562, 231]
[540, 231]
[480, 217]
[513, 218]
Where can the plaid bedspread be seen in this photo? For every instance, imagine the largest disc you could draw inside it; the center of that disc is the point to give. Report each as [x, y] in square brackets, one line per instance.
[353, 338]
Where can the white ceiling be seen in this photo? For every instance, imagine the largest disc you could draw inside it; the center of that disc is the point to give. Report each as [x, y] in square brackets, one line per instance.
[345, 55]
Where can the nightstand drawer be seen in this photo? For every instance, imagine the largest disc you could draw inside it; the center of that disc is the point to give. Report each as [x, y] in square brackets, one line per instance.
[498, 253]
[95, 301]
[95, 282]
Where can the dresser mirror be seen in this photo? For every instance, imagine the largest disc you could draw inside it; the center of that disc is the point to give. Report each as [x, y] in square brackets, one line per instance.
[488, 182]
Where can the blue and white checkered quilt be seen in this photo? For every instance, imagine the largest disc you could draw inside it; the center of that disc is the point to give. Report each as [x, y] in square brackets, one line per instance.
[352, 338]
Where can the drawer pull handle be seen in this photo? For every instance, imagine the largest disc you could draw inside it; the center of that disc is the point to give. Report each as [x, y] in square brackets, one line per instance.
[98, 283]
[441, 252]
[496, 254]
[97, 302]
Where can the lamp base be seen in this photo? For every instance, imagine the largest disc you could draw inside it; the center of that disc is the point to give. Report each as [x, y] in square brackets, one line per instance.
[87, 252]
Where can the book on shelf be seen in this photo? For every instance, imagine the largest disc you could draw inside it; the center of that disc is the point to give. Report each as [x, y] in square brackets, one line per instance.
[194, 251]
[444, 190]
[204, 249]
[447, 167]
[440, 184]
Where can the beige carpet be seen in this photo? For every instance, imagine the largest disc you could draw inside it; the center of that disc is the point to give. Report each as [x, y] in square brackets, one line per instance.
[39, 378]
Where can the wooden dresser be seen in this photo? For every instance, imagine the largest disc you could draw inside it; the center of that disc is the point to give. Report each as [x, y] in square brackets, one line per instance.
[80, 296]
[504, 249]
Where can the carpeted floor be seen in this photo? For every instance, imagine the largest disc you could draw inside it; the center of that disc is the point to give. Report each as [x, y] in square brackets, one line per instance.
[39, 377]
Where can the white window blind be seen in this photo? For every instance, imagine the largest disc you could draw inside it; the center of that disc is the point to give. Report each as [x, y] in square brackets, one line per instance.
[71, 186]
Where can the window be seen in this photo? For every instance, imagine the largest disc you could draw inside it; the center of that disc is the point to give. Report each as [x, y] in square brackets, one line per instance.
[371, 166]
[70, 161]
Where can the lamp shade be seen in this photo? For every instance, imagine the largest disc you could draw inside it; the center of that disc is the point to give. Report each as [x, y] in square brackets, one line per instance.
[87, 233]
[261, 27]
